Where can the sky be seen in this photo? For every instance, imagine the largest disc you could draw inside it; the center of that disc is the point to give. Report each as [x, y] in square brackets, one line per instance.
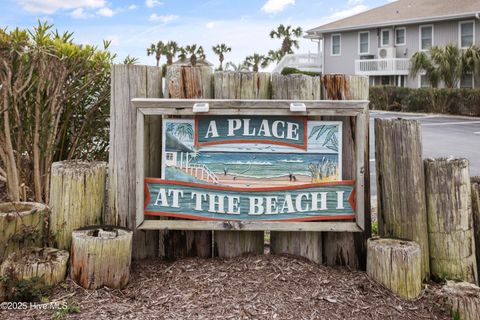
[132, 25]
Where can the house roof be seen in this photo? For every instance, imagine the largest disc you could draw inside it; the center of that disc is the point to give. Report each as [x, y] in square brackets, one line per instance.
[402, 12]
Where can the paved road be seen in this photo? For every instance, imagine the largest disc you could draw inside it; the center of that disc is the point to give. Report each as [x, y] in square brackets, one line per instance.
[442, 136]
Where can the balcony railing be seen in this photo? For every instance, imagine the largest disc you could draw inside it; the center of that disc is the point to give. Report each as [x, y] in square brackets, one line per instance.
[306, 62]
[382, 67]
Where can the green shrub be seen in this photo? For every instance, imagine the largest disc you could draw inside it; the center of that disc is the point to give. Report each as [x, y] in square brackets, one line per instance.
[447, 101]
[287, 71]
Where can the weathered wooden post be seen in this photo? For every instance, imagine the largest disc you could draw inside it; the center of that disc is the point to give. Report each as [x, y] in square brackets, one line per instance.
[185, 82]
[476, 217]
[77, 193]
[48, 265]
[396, 264]
[450, 220]
[101, 257]
[304, 244]
[128, 82]
[22, 224]
[240, 85]
[463, 299]
[402, 212]
[346, 248]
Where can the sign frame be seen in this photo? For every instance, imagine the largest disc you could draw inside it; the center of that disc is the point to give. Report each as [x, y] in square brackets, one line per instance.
[183, 107]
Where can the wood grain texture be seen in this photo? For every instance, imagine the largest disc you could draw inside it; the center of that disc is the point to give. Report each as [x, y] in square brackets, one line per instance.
[101, 257]
[402, 212]
[240, 85]
[188, 83]
[463, 298]
[128, 82]
[47, 264]
[303, 244]
[349, 249]
[396, 264]
[22, 224]
[476, 217]
[450, 220]
[77, 193]
[296, 87]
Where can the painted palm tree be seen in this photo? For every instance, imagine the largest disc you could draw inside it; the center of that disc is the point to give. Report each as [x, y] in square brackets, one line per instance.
[288, 35]
[329, 134]
[156, 50]
[257, 60]
[220, 50]
[170, 50]
[193, 52]
[446, 64]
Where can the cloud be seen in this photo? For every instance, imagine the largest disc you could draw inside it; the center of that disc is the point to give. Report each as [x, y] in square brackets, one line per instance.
[211, 24]
[132, 7]
[276, 6]
[51, 6]
[78, 13]
[346, 13]
[163, 19]
[354, 2]
[106, 12]
[153, 3]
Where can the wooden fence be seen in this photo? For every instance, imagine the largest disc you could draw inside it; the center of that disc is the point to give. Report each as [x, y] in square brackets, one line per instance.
[130, 81]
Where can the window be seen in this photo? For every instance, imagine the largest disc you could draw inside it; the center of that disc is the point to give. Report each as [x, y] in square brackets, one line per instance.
[400, 36]
[336, 44]
[169, 156]
[466, 81]
[426, 37]
[364, 42]
[385, 38]
[424, 83]
[466, 34]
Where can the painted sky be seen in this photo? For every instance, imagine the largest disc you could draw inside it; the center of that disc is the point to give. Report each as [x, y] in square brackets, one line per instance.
[132, 25]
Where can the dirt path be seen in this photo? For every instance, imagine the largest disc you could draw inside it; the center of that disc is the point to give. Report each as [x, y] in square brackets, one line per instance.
[254, 287]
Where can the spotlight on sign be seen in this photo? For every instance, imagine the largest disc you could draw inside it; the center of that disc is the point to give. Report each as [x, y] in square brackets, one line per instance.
[298, 107]
[201, 107]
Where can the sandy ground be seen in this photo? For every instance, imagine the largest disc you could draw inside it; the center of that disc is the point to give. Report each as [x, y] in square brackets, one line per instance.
[252, 287]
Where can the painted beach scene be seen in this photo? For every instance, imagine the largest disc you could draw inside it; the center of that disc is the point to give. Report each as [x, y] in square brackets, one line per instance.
[252, 164]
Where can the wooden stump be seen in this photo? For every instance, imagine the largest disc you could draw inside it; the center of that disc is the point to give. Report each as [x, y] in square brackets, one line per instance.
[101, 257]
[463, 299]
[47, 265]
[77, 193]
[188, 83]
[396, 264]
[241, 85]
[402, 212]
[476, 217]
[303, 244]
[349, 248]
[450, 221]
[22, 224]
[296, 87]
[230, 244]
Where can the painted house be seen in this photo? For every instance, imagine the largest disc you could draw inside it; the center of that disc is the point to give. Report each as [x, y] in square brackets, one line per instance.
[380, 42]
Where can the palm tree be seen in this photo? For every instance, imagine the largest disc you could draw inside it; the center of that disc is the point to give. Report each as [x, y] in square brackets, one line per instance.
[193, 52]
[130, 60]
[236, 67]
[256, 60]
[220, 50]
[288, 34]
[157, 50]
[275, 55]
[170, 49]
[447, 64]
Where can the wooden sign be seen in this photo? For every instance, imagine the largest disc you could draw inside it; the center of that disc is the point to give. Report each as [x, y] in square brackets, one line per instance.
[251, 168]
[251, 165]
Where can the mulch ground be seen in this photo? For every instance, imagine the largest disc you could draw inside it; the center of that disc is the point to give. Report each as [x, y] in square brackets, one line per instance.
[252, 287]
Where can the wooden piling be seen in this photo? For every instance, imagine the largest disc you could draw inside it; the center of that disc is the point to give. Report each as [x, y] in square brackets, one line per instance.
[476, 217]
[401, 209]
[450, 219]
